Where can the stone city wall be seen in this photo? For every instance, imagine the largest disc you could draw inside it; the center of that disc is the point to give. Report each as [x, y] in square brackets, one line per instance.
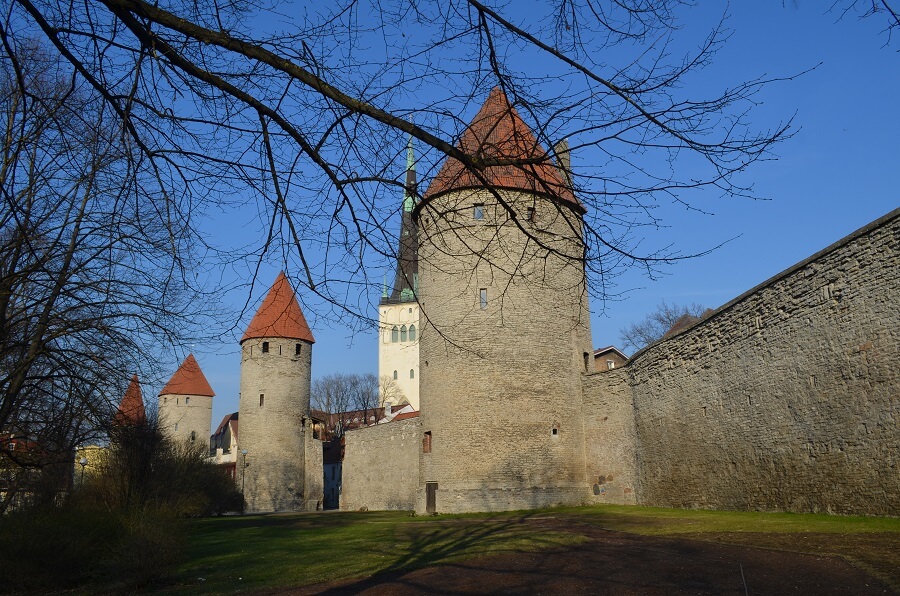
[381, 466]
[609, 438]
[787, 397]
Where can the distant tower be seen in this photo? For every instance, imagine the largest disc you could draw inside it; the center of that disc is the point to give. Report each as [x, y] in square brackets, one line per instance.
[283, 463]
[506, 333]
[185, 404]
[131, 410]
[398, 311]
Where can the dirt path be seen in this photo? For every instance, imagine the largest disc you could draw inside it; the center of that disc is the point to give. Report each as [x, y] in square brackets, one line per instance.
[624, 564]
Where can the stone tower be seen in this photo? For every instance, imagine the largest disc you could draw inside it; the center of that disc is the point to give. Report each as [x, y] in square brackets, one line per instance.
[282, 468]
[506, 332]
[398, 310]
[185, 404]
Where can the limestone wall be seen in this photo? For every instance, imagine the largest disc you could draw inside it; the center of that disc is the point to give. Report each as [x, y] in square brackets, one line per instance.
[381, 464]
[785, 398]
[274, 422]
[501, 379]
[186, 418]
[609, 438]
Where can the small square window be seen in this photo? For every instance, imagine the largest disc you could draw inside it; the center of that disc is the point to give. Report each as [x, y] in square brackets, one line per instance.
[478, 211]
[610, 364]
[482, 295]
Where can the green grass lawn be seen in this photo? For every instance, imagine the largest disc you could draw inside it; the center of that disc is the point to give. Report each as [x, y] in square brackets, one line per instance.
[260, 552]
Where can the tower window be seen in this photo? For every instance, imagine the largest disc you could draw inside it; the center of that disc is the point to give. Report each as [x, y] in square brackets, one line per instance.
[403, 333]
[265, 347]
[193, 436]
[426, 442]
[412, 373]
[176, 426]
[395, 375]
[262, 399]
[482, 293]
[478, 211]
[412, 333]
[297, 348]
[395, 334]
[187, 401]
[529, 214]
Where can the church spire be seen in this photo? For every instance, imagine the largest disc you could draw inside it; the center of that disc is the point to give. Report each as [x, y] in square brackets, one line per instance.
[406, 277]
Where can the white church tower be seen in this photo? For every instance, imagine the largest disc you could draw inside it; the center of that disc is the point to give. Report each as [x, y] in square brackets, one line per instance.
[398, 311]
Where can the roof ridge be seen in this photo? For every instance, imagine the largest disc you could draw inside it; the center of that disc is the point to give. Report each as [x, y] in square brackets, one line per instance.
[279, 315]
[188, 380]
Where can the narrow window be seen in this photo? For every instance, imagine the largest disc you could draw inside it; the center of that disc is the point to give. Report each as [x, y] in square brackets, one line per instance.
[187, 401]
[483, 297]
[412, 333]
[587, 361]
[165, 400]
[412, 373]
[478, 211]
[404, 334]
[297, 349]
[610, 364]
[193, 436]
[265, 347]
[262, 399]
[395, 334]
[176, 426]
[530, 214]
[395, 375]
[426, 442]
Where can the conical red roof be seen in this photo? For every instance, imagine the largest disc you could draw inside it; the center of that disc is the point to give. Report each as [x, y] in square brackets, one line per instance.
[498, 132]
[279, 315]
[131, 408]
[188, 380]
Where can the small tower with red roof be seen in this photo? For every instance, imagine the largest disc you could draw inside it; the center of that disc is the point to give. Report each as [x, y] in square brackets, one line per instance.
[185, 404]
[283, 470]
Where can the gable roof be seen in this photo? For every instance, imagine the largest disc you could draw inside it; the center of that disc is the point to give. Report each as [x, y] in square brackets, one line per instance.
[600, 352]
[498, 132]
[188, 380]
[279, 315]
[131, 408]
[229, 419]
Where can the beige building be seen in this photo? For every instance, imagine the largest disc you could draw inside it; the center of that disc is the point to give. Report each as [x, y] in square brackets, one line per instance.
[398, 310]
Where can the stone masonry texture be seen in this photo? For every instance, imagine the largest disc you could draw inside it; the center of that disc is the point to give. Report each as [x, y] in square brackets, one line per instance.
[380, 466]
[500, 386]
[786, 398]
[274, 431]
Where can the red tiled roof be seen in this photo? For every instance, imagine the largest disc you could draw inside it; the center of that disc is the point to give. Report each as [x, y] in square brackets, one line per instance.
[279, 315]
[131, 409]
[188, 380]
[498, 132]
[404, 416]
[228, 417]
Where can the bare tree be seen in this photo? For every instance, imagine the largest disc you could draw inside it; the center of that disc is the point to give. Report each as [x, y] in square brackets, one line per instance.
[312, 122]
[659, 322]
[865, 9]
[92, 282]
[390, 391]
[346, 401]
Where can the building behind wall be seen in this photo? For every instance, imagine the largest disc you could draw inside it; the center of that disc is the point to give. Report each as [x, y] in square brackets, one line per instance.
[398, 310]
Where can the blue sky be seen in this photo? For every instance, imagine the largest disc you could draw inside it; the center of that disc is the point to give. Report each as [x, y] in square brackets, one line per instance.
[838, 173]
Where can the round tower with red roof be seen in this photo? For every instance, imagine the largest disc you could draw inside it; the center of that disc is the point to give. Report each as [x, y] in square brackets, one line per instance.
[506, 327]
[282, 468]
[185, 404]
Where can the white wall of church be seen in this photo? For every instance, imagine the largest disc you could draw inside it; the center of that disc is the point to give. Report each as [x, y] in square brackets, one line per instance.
[398, 348]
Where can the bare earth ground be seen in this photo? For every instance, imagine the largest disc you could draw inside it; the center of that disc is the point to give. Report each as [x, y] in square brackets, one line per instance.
[612, 562]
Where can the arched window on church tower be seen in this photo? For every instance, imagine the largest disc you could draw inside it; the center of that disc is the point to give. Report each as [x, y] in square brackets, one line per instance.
[412, 333]
[395, 334]
[403, 333]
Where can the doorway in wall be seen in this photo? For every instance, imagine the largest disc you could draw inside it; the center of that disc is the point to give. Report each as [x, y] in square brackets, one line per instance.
[431, 497]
